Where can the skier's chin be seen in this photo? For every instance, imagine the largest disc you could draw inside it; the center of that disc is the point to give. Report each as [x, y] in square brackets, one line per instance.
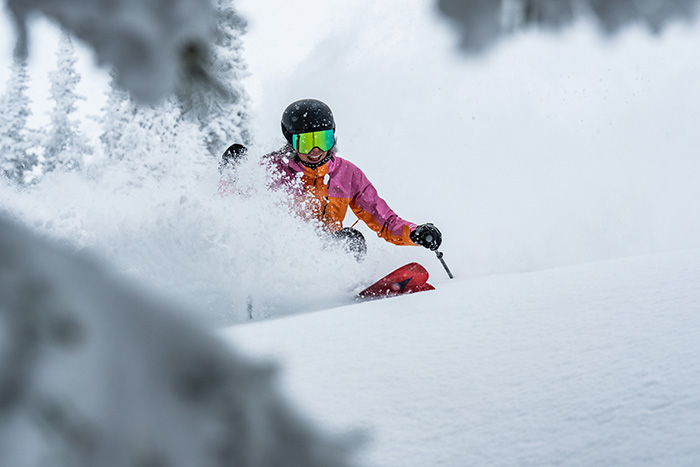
[315, 159]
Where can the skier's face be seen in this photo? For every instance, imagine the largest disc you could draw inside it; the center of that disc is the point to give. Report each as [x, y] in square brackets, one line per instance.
[314, 157]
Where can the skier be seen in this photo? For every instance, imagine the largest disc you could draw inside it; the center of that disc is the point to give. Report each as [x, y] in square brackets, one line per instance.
[309, 167]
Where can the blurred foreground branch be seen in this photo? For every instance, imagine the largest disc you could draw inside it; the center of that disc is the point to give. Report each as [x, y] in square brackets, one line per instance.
[481, 23]
[151, 44]
[96, 373]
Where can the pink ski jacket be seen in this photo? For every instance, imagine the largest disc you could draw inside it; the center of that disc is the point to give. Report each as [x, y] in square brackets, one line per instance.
[332, 188]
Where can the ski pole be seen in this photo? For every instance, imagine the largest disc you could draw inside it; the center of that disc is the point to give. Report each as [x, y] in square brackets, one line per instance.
[444, 264]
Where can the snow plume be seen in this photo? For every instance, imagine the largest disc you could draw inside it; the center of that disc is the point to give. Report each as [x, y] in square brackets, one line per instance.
[153, 45]
[94, 373]
[235, 256]
[481, 23]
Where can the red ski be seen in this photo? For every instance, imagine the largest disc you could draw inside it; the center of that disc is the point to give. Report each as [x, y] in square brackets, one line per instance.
[407, 279]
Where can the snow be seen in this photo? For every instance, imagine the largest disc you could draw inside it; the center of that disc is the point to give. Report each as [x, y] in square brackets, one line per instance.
[178, 236]
[593, 364]
[587, 160]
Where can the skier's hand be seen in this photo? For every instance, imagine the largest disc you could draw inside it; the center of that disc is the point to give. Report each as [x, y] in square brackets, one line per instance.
[428, 236]
[233, 155]
[353, 241]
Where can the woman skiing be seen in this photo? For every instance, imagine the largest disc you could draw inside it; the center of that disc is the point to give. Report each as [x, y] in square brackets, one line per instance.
[327, 185]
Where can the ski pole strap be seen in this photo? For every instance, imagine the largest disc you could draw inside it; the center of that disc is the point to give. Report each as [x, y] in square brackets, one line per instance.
[444, 264]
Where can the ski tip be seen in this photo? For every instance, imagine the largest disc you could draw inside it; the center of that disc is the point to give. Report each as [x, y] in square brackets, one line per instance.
[407, 279]
[422, 288]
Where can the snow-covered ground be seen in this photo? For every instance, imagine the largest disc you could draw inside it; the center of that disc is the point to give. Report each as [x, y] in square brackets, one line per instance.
[594, 364]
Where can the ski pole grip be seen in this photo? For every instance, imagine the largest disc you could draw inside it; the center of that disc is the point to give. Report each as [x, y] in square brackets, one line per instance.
[444, 264]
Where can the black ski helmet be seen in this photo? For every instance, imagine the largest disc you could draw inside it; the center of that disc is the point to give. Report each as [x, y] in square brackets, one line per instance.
[306, 115]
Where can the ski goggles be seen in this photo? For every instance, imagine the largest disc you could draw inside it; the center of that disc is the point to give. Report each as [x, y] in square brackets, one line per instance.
[305, 142]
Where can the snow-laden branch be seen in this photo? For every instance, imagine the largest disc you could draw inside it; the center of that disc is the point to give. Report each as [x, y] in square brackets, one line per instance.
[152, 44]
[95, 373]
[482, 23]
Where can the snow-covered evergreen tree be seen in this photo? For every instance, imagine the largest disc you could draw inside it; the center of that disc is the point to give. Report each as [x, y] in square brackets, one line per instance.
[65, 146]
[222, 109]
[116, 116]
[16, 158]
[170, 145]
[149, 142]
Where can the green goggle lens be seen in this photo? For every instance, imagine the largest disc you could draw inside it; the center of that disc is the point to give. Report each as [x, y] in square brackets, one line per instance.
[305, 142]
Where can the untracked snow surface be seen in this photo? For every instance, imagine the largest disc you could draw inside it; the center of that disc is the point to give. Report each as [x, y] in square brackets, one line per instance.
[595, 364]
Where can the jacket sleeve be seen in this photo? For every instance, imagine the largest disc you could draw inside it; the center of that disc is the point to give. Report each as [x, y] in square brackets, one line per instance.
[376, 213]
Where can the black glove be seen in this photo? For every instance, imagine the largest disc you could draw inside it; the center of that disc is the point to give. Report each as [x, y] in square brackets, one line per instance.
[353, 241]
[427, 235]
[233, 155]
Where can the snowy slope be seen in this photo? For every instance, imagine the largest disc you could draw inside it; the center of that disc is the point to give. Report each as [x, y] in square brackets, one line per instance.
[595, 364]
